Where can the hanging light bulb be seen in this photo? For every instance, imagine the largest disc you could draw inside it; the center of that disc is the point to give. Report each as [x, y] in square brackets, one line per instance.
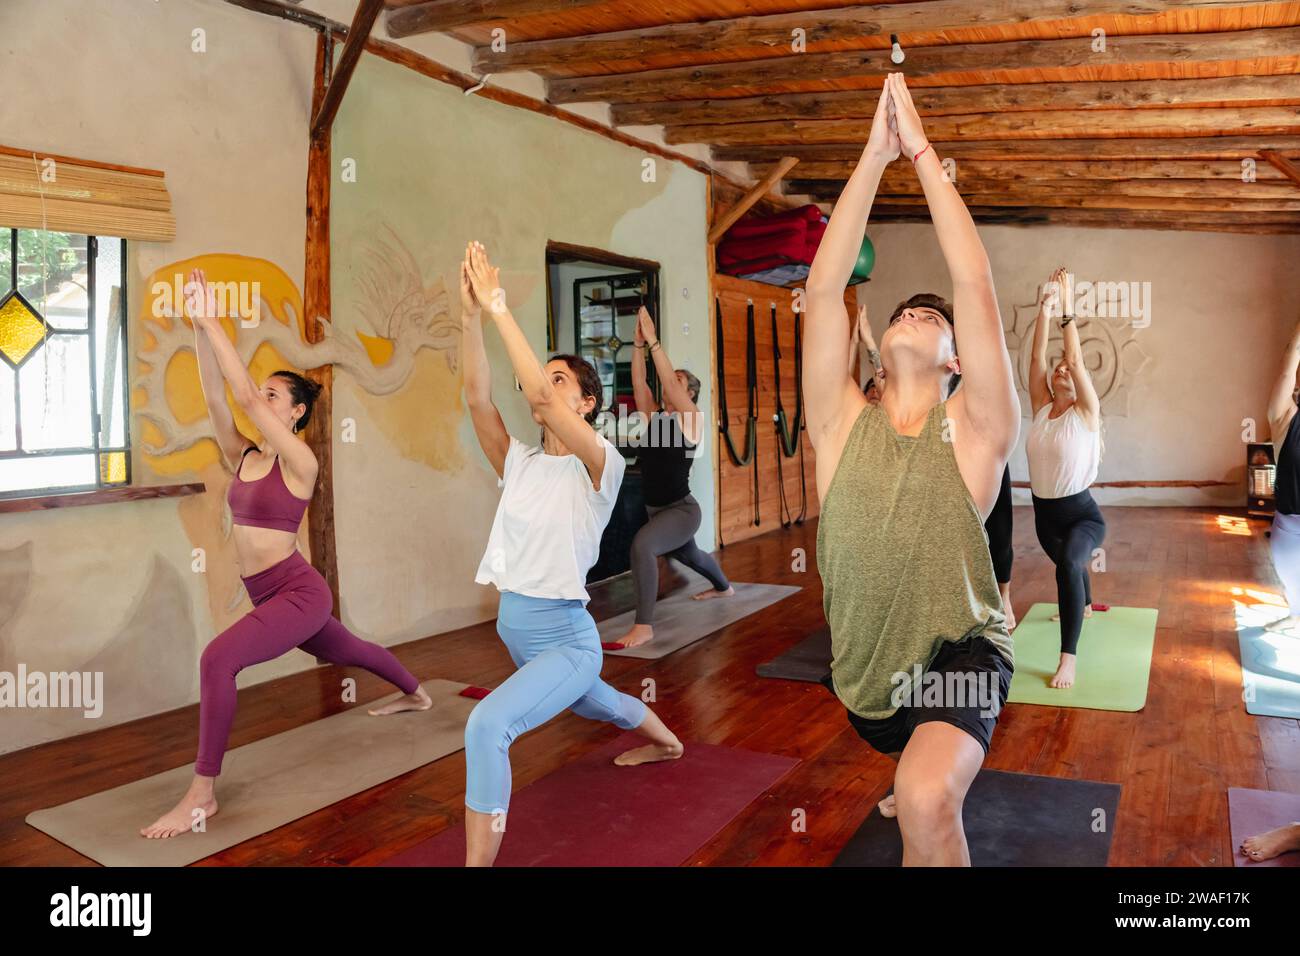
[896, 54]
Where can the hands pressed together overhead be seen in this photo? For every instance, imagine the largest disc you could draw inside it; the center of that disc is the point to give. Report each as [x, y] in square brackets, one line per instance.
[480, 282]
[896, 127]
[200, 301]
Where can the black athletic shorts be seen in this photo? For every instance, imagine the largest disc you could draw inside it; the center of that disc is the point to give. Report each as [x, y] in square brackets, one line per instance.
[975, 655]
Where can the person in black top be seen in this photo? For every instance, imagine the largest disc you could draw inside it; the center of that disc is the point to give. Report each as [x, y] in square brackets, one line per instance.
[1284, 542]
[669, 446]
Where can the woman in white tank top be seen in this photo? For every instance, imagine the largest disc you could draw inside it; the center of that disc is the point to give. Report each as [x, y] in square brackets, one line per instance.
[1064, 451]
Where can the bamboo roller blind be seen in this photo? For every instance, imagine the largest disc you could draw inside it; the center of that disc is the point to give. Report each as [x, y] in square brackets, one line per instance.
[45, 191]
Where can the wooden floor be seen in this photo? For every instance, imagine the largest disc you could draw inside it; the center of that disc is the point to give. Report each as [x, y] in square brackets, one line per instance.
[1175, 759]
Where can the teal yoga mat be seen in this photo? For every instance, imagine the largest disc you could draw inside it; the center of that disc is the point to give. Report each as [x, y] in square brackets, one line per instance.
[1270, 671]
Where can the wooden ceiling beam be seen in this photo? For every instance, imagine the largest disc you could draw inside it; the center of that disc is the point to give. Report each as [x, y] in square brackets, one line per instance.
[983, 98]
[968, 170]
[1036, 150]
[774, 31]
[881, 212]
[1283, 165]
[727, 219]
[439, 16]
[1063, 124]
[1103, 219]
[702, 80]
[358, 33]
[1277, 193]
[1050, 198]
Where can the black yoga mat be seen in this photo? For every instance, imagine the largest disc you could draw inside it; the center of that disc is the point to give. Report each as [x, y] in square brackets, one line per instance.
[809, 660]
[1012, 819]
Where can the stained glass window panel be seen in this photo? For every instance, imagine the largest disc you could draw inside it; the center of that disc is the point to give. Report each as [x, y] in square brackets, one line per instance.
[21, 330]
[8, 426]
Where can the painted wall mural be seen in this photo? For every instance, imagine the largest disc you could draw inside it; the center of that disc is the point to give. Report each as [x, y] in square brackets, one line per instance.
[1112, 353]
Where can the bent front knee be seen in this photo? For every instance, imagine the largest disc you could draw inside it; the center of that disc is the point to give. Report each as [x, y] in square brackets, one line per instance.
[485, 731]
[930, 805]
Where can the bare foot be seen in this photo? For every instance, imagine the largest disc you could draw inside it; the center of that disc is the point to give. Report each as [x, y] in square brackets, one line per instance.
[888, 810]
[1265, 846]
[198, 804]
[650, 753]
[640, 634]
[711, 593]
[1064, 676]
[1087, 613]
[417, 701]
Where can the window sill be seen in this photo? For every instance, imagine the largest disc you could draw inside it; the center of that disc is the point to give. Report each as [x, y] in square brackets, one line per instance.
[99, 496]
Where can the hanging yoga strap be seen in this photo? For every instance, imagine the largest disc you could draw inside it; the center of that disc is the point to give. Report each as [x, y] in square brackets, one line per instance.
[785, 444]
[751, 389]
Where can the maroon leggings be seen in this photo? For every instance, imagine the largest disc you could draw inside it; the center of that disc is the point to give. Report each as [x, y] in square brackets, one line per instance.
[291, 608]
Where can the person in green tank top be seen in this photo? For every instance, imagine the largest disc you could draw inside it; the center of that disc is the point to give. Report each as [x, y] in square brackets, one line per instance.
[921, 655]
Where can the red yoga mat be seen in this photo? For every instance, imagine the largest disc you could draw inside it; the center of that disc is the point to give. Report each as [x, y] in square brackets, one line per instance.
[593, 813]
[1252, 812]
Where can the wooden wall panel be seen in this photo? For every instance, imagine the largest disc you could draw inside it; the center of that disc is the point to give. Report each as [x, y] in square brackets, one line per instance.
[736, 485]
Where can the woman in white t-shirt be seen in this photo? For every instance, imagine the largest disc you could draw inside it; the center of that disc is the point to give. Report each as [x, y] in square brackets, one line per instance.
[1064, 451]
[555, 503]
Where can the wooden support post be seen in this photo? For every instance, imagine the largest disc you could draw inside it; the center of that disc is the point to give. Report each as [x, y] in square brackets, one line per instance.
[316, 305]
[1288, 169]
[358, 33]
[728, 219]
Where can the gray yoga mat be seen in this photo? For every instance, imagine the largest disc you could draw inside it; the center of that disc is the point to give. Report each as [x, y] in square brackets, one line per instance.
[265, 784]
[809, 660]
[680, 621]
[1011, 819]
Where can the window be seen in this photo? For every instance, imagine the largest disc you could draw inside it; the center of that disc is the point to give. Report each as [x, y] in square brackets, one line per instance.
[63, 383]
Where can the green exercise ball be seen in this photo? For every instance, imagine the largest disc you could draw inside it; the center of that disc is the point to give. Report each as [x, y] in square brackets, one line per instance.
[866, 261]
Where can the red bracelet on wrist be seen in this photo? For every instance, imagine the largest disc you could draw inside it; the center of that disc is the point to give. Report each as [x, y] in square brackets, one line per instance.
[918, 155]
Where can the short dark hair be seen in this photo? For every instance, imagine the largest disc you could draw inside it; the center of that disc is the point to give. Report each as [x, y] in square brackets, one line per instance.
[303, 391]
[924, 300]
[928, 300]
[588, 381]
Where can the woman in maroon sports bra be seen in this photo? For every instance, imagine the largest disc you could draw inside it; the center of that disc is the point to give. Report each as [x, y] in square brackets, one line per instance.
[270, 490]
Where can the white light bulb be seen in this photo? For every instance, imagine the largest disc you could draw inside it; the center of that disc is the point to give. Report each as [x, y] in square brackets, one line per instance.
[897, 54]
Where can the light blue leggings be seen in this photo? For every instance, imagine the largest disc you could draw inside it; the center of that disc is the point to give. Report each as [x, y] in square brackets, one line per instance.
[555, 645]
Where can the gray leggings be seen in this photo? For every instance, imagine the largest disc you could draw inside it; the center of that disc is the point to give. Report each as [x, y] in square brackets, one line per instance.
[671, 532]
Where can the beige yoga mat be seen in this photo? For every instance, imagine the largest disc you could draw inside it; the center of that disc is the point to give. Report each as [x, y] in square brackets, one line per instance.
[680, 621]
[265, 784]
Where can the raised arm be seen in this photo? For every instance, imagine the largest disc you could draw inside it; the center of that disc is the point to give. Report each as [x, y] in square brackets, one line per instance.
[1281, 406]
[295, 457]
[229, 439]
[863, 340]
[570, 427]
[1052, 294]
[1086, 399]
[831, 396]
[676, 392]
[488, 426]
[645, 399]
[987, 398]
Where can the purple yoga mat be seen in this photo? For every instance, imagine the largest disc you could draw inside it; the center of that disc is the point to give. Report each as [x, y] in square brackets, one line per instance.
[1252, 812]
[593, 813]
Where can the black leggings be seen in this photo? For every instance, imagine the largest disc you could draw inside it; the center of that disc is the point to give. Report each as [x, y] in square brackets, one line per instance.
[671, 532]
[1069, 529]
[998, 527]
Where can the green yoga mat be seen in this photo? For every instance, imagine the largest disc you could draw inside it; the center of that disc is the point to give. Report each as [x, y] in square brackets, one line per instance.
[1114, 659]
